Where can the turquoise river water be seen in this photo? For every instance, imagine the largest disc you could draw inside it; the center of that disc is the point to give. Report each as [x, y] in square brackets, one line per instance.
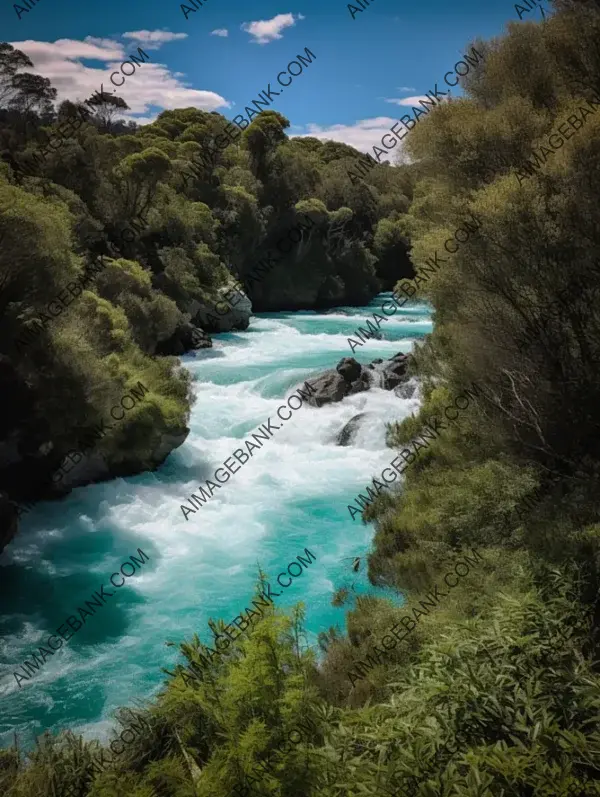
[293, 494]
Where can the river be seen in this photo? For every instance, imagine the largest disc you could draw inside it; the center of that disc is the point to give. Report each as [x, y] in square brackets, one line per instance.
[293, 494]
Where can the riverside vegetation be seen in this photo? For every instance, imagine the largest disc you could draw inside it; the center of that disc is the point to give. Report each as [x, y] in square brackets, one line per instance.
[440, 717]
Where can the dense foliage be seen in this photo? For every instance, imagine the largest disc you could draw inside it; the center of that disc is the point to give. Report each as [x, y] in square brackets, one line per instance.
[496, 693]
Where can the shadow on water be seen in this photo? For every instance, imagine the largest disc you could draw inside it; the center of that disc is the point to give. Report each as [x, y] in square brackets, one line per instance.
[175, 471]
[231, 337]
[205, 354]
[39, 593]
[88, 703]
[55, 598]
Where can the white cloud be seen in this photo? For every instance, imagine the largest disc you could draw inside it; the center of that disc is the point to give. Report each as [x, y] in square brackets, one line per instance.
[406, 88]
[410, 101]
[145, 120]
[267, 30]
[70, 49]
[153, 39]
[153, 86]
[104, 44]
[220, 32]
[362, 134]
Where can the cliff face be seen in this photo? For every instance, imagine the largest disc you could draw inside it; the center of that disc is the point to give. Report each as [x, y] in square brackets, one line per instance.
[8, 521]
[33, 481]
[40, 460]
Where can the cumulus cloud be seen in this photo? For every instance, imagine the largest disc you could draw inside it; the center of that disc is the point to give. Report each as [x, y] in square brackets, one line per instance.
[153, 39]
[63, 50]
[264, 31]
[409, 101]
[362, 134]
[145, 120]
[151, 89]
[219, 32]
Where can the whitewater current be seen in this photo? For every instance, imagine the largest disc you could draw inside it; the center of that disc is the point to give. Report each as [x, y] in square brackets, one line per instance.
[293, 494]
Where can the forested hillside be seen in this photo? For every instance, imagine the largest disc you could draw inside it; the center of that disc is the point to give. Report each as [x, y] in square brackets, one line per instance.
[124, 246]
[488, 683]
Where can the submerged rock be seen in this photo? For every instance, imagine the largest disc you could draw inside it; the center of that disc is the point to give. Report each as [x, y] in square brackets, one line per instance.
[345, 437]
[405, 391]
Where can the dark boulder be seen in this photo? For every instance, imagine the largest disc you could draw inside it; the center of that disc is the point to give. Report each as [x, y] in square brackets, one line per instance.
[330, 387]
[349, 368]
[364, 382]
[394, 372]
[401, 357]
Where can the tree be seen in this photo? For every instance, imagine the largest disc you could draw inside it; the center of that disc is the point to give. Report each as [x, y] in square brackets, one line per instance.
[32, 92]
[11, 61]
[107, 106]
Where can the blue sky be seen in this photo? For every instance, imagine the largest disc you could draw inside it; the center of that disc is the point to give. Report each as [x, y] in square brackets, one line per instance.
[389, 51]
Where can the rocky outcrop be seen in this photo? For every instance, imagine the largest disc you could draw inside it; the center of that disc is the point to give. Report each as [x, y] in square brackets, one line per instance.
[34, 467]
[231, 310]
[91, 469]
[94, 468]
[186, 337]
[350, 377]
